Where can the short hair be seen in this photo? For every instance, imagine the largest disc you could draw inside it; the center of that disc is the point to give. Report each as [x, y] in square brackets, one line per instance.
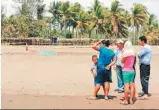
[143, 38]
[107, 43]
[93, 56]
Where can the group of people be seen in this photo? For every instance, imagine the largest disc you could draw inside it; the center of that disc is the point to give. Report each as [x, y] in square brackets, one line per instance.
[123, 60]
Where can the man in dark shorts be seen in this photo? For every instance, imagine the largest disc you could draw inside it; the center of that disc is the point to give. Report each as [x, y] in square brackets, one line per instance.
[105, 61]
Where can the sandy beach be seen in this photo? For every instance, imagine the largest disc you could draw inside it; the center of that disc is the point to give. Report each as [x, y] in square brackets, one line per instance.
[62, 81]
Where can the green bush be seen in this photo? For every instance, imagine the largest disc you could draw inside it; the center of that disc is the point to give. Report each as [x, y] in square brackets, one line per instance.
[68, 35]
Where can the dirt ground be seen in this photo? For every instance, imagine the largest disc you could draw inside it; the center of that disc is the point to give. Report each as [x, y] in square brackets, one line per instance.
[30, 80]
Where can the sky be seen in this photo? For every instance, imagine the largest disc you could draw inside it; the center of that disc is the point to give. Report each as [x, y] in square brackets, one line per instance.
[152, 5]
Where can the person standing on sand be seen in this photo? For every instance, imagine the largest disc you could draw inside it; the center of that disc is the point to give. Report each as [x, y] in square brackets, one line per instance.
[117, 67]
[94, 71]
[94, 67]
[105, 61]
[128, 72]
[145, 59]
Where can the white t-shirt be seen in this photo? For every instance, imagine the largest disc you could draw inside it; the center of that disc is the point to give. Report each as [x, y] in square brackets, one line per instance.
[94, 67]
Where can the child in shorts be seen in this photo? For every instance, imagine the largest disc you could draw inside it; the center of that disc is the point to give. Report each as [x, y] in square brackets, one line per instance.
[94, 70]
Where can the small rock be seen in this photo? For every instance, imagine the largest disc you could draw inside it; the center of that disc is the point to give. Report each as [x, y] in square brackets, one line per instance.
[10, 101]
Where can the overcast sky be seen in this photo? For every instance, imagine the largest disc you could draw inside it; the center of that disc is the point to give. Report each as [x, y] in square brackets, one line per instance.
[152, 5]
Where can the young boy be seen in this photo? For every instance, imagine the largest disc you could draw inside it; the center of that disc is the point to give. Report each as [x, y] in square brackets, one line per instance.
[94, 70]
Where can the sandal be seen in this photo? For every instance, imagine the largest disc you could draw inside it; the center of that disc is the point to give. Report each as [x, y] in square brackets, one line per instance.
[124, 103]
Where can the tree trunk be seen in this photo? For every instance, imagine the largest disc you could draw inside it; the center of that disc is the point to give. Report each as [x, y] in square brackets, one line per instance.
[73, 32]
[65, 27]
[97, 33]
[115, 23]
[137, 33]
[134, 31]
[61, 26]
[90, 33]
[69, 30]
[76, 33]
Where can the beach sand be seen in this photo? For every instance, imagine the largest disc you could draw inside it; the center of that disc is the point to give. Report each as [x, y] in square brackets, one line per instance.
[62, 81]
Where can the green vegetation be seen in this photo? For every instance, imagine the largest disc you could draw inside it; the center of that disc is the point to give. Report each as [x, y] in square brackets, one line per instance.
[72, 21]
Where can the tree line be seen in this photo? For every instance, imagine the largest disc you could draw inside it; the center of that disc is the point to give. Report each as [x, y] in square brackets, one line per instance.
[70, 20]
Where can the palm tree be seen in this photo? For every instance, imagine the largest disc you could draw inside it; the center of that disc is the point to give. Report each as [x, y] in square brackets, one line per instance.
[119, 23]
[115, 13]
[2, 12]
[98, 17]
[75, 10]
[97, 13]
[40, 11]
[81, 21]
[23, 10]
[138, 17]
[95, 6]
[127, 17]
[122, 27]
[54, 10]
[65, 12]
[152, 27]
[152, 22]
[109, 29]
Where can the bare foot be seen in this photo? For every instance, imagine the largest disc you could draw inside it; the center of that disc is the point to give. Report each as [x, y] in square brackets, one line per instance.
[122, 98]
[134, 99]
[145, 97]
[131, 102]
[91, 98]
[124, 102]
[106, 98]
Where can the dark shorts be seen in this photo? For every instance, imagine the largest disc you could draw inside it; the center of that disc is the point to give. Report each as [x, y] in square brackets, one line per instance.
[96, 82]
[103, 75]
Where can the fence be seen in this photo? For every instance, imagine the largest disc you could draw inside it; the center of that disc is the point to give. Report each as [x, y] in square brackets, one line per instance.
[61, 41]
[39, 41]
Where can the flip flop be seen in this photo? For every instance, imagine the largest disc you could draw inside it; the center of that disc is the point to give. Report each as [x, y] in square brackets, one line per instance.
[124, 103]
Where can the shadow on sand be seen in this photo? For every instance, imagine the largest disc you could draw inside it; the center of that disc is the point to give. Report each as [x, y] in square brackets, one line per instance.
[141, 94]
[110, 97]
